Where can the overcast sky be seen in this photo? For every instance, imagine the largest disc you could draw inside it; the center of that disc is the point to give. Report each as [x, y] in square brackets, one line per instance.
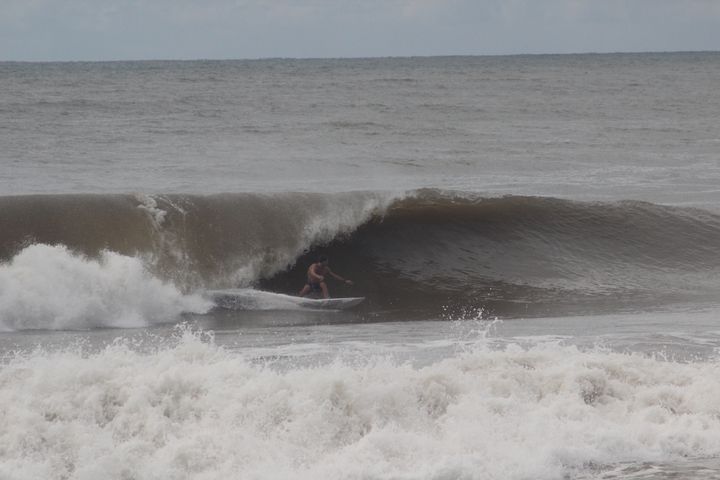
[189, 29]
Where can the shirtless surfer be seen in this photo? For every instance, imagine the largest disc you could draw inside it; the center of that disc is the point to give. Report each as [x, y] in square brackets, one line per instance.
[316, 278]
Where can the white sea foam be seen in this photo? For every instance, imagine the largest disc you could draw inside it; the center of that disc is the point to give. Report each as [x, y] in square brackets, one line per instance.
[150, 205]
[198, 411]
[50, 287]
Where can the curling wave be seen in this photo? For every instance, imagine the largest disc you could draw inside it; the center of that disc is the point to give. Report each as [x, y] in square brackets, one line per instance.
[424, 251]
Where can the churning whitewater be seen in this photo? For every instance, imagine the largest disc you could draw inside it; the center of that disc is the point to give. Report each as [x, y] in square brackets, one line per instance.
[49, 287]
[196, 410]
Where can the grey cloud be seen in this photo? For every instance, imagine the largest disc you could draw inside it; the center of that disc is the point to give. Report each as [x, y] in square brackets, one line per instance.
[139, 29]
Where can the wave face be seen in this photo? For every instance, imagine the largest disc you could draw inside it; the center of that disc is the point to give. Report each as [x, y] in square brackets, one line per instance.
[528, 255]
[424, 251]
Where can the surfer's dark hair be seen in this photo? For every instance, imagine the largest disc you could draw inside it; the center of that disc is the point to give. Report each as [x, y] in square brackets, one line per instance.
[322, 258]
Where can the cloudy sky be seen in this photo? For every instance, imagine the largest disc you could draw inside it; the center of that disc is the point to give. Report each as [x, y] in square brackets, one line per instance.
[188, 29]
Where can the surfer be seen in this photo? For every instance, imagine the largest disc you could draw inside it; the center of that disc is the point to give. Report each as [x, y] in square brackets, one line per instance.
[316, 274]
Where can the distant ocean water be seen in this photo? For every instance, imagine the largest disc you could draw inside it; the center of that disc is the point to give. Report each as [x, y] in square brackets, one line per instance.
[537, 239]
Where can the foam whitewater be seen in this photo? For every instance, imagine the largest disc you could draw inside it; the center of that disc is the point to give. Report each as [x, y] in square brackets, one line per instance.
[421, 251]
[196, 410]
[50, 287]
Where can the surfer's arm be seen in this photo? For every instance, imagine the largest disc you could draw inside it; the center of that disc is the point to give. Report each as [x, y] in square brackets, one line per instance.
[338, 277]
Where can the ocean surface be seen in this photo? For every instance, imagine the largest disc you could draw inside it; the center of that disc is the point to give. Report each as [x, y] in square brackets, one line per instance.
[537, 239]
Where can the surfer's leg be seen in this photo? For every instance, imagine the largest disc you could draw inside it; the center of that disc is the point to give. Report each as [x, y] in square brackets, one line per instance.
[324, 289]
[305, 290]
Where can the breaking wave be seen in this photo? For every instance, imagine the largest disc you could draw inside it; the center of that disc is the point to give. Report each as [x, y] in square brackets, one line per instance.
[422, 251]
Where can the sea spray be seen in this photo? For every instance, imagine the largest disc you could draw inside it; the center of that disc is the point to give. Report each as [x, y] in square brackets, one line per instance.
[51, 287]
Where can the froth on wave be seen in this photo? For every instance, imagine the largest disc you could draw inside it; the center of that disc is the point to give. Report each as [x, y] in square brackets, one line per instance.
[195, 410]
[50, 287]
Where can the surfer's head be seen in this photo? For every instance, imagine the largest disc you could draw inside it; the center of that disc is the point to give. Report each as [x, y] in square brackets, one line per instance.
[323, 259]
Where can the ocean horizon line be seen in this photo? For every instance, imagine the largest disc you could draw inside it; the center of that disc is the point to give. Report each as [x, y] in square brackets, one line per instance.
[361, 58]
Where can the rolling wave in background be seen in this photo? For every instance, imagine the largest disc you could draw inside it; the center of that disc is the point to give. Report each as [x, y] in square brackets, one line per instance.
[131, 259]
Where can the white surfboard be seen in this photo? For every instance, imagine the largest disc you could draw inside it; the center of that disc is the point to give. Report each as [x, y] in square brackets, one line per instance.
[249, 299]
[341, 303]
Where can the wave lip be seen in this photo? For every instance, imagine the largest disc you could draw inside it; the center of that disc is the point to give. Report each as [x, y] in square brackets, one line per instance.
[50, 287]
